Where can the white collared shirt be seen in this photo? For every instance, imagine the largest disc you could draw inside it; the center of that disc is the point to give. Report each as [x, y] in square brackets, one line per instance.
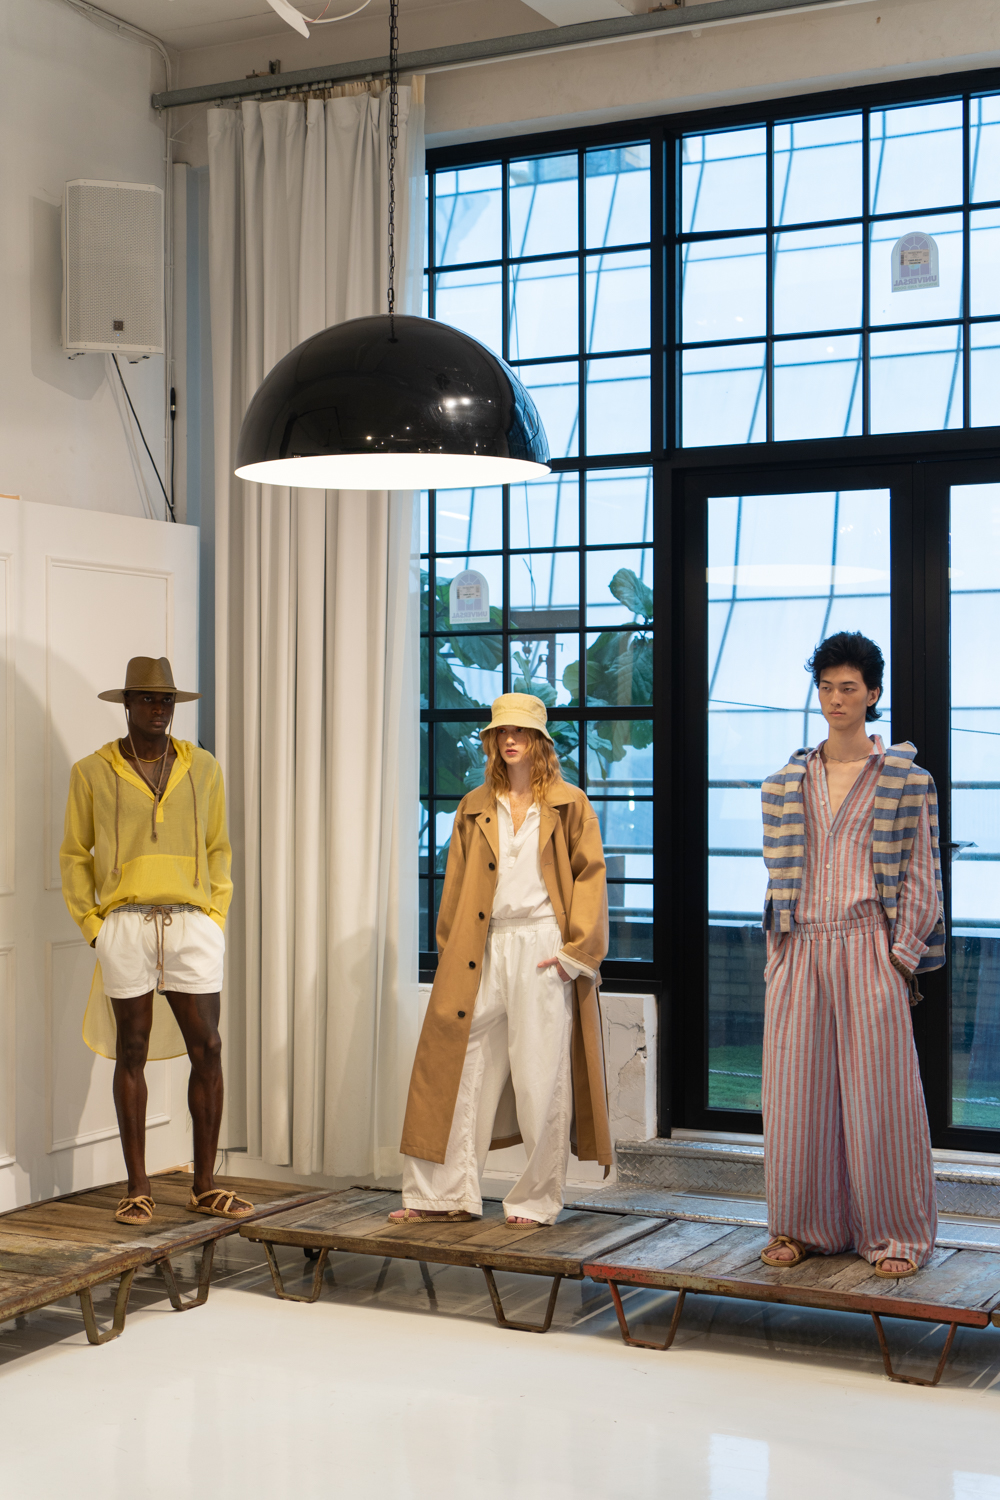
[521, 890]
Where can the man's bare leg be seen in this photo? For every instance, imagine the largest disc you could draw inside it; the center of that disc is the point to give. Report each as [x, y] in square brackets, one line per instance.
[198, 1018]
[135, 1020]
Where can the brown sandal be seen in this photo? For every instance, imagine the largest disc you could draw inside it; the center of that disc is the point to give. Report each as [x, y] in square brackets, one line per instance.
[895, 1275]
[224, 1210]
[141, 1201]
[801, 1253]
[454, 1215]
[516, 1223]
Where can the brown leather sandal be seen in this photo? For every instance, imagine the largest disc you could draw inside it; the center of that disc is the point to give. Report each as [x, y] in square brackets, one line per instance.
[455, 1215]
[226, 1209]
[141, 1201]
[895, 1275]
[801, 1253]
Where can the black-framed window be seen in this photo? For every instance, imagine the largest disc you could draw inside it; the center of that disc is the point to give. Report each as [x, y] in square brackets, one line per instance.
[839, 275]
[860, 462]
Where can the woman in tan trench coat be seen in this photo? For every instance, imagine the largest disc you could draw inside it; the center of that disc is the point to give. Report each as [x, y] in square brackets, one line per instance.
[511, 1047]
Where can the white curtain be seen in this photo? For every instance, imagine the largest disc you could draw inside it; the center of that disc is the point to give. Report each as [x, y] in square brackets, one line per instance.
[317, 639]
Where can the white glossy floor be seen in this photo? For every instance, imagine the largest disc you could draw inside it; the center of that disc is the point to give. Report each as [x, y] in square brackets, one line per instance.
[389, 1393]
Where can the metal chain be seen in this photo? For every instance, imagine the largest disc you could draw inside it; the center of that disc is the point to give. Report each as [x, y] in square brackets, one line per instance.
[393, 143]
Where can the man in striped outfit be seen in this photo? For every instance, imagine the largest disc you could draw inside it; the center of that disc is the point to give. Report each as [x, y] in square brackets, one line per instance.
[853, 913]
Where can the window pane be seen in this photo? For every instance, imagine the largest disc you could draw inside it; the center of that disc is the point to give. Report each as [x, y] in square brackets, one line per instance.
[620, 668]
[923, 303]
[617, 195]
[468, 520]
[472, 301]
[724, 289]
[723, 181]
[618, 301]
[975, 807]
[817, 170]
[984, 253]
[544, 310]
[547, 664]
[916, 379]
[424, 767]
[446, 568]
[620, 756]
[618, 405]
[543, 205]
[468, 670]
[723, 395]
[817, 279]
[620, 587]
[984, 148]
[566, 737]
[817, 387]
[788, 570]
[458, 757]
[424, 525]
[627, 831]
[916, 157]
[467, 215]
[546, 512]
[985, 378]
[444, 822]
[555, 390]
[619, 505]
[545, 590]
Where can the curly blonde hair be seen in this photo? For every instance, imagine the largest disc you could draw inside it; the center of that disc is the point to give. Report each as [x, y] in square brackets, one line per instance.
[545, 768]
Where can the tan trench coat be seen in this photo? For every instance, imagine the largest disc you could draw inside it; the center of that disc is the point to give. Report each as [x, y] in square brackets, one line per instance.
[572, 861]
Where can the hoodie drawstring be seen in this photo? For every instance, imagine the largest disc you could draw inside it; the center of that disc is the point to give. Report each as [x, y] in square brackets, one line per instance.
[116, 868]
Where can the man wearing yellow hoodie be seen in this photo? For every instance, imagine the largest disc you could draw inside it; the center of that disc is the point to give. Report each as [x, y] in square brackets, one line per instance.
[145, 873]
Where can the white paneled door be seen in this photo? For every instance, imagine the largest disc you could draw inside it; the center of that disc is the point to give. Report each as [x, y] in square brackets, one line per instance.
[80, 592]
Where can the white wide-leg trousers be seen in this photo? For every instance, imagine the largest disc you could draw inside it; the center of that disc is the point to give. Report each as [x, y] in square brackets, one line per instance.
[522, 1029]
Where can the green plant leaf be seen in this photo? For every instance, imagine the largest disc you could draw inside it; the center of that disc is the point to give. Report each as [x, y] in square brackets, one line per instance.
[629, 589]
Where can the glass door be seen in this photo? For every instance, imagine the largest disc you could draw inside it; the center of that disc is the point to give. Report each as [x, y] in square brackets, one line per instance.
[784, 572]
[974, 583]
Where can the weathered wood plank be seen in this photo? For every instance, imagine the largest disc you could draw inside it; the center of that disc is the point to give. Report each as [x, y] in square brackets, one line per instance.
[957, 1286]
[360, 1226]
[52, 1249]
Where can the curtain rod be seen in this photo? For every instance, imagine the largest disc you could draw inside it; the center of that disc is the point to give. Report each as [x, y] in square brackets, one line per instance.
[502, 49]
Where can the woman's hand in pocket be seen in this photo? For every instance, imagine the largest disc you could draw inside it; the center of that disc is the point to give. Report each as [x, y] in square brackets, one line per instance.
[547, 963]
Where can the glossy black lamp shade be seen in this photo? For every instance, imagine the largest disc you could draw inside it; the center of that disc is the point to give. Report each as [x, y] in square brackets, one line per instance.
[352, 409]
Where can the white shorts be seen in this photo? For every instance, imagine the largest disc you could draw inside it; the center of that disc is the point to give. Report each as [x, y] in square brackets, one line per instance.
[194, 949]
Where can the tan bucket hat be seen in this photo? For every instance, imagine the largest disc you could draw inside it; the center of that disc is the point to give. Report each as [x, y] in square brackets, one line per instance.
[523, 710]
[148, 674]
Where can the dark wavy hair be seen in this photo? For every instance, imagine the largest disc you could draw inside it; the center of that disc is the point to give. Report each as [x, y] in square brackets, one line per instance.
[849, 648]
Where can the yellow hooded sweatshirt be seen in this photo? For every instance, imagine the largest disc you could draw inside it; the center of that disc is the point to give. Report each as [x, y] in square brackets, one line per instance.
[110, 859]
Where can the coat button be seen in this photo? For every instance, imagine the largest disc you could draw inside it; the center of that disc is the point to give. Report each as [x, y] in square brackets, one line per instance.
[461, 1015]
[492, 865]
[472, 963]
[487, 820]
[482, 916]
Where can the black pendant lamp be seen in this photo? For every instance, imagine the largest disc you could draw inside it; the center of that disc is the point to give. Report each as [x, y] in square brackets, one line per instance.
[391, 402]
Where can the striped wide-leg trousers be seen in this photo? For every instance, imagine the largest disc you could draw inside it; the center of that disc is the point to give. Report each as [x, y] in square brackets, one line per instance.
[846, 1144]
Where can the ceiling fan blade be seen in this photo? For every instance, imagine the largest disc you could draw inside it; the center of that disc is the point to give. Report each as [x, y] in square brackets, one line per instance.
[291, 15]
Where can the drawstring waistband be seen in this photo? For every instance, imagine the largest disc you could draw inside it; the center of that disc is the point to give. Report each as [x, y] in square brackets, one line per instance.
[161, 917]
[498, 924]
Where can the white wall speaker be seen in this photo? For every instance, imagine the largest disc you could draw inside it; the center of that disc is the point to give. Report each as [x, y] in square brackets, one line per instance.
[113, 267]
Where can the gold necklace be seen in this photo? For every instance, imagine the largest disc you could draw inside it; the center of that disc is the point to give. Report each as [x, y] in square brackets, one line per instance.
[837, 761]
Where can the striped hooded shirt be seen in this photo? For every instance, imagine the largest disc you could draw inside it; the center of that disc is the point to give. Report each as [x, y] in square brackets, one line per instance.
[887, 820]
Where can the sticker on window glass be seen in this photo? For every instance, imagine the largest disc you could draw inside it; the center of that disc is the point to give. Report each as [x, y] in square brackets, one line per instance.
[469, 599]
[914, 263]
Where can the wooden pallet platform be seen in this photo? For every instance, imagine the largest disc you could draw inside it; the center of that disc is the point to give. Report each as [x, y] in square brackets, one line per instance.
[356, 1221]
[960, 1288]
[69, 1245]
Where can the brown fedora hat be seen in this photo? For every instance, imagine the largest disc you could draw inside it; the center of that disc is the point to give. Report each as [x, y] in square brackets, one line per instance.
[148, 674]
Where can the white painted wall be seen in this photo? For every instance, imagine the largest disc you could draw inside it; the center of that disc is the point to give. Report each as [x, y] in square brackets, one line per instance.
[74, 102]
